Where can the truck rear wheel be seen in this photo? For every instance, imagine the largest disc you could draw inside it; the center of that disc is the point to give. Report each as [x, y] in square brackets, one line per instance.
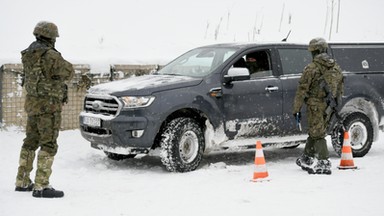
[360, 132]
[182, 145]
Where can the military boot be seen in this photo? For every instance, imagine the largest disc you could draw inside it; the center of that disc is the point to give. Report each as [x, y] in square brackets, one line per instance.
[23, 181]
[47, 192]
[43, 172]
[305, 162]
[321, 149]
[306, 159]
[321, 167]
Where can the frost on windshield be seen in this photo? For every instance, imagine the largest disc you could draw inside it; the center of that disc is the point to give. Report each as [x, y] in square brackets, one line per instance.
[198, 62]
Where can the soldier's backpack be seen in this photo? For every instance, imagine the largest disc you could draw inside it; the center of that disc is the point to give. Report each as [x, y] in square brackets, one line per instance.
[330, 77]
[333, 79]
[332, 84]
[33, 73]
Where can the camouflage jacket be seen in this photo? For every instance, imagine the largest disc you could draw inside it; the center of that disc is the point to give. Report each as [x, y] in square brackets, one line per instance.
[310, 90]
[45, 74]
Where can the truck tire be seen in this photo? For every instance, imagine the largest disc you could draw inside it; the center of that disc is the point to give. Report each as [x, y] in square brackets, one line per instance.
[118, 157]
[182, 145]
[360, 132]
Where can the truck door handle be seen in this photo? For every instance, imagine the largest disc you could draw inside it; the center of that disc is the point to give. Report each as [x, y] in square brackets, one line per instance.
[271, 88]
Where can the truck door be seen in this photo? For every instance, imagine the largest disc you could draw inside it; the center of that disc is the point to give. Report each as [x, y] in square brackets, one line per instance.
[291, 65]
[253, 107]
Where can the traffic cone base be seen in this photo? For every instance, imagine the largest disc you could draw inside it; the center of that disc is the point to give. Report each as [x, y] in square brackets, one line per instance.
[262, 176]
[346, 167]
[260, 173]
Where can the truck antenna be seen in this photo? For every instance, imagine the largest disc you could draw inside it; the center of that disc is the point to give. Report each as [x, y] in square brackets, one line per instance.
[286, 38]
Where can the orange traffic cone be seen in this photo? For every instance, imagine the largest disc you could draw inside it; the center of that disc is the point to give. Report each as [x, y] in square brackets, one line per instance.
[346, 161]
[260, 172]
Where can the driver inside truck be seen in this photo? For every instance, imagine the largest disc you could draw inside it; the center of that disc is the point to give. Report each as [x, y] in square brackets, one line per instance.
[252, 63]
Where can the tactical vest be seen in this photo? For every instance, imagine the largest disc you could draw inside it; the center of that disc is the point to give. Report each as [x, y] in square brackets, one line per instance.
[35, 82]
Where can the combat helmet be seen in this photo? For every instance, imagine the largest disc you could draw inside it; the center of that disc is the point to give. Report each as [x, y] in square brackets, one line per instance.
[46, 29]
[318, 44]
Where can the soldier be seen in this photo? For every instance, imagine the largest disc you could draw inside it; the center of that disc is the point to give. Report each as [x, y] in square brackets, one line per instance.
[45, 73]
[320, 78]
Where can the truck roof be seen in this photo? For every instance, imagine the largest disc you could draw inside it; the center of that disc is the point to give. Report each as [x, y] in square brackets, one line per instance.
[253, 44]
[261, 44]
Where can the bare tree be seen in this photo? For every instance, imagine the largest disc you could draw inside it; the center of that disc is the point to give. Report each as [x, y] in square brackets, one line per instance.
[326, 20]
[331, 14]
[254, 29]
[331, 24]
[206, 30]
[338, 17]
[217, 30]
[228, 18]
[281, 18]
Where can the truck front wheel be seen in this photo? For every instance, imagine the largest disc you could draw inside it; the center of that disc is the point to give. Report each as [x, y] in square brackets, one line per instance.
[360, 132]
[182, 145]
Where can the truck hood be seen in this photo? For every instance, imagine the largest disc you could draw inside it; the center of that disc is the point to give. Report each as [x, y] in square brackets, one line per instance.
[144, 85]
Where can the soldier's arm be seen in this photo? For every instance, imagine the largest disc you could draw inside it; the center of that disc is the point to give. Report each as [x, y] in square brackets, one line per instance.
[56, 66]
[302, 89]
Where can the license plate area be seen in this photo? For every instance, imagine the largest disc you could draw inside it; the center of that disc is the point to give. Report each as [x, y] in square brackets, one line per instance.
[92, 121]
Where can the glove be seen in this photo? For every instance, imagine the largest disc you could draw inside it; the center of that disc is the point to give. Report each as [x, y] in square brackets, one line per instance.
[297, 116]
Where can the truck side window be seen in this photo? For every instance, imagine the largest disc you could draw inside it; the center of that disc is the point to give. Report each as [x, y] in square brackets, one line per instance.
[258, 64]
[293, 60]
[240, 63]
[357, 59]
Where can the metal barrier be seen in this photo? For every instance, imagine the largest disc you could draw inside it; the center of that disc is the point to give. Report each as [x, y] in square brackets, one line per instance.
[13, 95]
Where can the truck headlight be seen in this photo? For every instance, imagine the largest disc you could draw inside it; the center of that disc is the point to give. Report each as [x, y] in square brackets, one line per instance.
[137, 101]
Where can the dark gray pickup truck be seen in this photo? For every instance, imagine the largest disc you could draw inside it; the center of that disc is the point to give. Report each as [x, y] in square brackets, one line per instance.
[208, 99]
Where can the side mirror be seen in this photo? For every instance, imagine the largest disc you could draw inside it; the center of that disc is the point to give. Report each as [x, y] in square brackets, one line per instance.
[236, 74]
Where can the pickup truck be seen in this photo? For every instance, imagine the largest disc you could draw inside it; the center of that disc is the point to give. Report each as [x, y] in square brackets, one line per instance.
[209, 98]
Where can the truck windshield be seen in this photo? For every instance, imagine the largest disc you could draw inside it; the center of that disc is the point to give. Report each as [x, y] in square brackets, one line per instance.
[198, 62]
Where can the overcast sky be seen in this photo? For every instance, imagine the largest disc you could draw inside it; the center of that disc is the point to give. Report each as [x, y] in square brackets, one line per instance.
[134, 31]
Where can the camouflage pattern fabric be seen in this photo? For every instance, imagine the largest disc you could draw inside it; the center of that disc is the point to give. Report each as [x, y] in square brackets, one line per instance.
[310, 92]
[84, 83]
[25, 167]
[44, 170]
[45, 74]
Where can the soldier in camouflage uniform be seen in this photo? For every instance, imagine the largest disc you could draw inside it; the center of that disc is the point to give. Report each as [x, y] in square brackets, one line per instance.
[45, 74]
[323, 70]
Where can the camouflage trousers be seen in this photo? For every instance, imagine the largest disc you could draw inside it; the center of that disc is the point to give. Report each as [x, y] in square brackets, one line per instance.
[41, 132]
[316, 145]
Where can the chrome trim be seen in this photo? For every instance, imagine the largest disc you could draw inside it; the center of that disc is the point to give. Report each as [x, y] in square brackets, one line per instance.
[100, 102]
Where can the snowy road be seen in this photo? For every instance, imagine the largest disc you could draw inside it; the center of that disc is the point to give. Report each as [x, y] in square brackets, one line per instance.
[95, 185]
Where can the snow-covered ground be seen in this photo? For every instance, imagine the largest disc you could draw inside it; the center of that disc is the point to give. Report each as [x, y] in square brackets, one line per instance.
[101, 32]
[95, 185]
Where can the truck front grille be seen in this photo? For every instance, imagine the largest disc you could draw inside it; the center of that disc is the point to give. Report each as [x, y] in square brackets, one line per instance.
[105, 105]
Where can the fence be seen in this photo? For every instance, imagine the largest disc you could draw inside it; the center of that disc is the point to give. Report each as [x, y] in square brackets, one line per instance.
[13, 95]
